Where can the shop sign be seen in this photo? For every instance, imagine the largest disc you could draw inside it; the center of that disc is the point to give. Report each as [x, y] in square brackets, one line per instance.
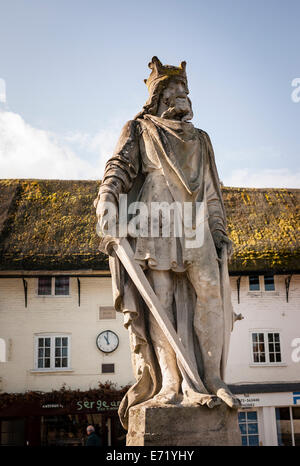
[52, 405]
[268, 399]
[98, 405]
[249, 402]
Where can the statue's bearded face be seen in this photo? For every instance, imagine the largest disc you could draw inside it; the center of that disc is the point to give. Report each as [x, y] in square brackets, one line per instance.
[174, 102]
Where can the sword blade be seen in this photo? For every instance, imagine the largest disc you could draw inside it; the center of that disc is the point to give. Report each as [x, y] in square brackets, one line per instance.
[126, 256]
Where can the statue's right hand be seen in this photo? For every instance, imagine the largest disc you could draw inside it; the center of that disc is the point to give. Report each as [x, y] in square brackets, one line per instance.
[106, 211]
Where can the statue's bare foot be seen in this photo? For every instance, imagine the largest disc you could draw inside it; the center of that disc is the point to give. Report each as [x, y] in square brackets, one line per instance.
[214, 401]
[228, 398]
[191, 397]
[166, 396]
[219, 388]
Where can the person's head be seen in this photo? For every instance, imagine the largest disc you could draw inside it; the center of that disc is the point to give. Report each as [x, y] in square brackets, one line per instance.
[168, 92]
[90, 429]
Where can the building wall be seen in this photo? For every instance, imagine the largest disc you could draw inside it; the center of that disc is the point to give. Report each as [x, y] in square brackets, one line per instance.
[18, 325]
[267, 310]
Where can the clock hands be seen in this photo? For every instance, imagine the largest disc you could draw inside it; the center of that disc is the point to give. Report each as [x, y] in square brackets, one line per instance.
[106, 338]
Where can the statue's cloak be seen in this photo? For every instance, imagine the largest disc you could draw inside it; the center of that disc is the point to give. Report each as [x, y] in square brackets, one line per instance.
[125, 295]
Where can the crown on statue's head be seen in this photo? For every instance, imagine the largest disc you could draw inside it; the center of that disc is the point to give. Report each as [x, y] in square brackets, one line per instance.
[162, 72]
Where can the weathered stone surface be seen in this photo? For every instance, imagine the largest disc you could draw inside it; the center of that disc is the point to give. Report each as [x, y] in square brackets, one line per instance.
[175, 294]
[183, 426]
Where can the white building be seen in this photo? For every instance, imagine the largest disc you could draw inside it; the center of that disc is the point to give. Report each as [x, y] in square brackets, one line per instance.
[55, 300]
[264, 359]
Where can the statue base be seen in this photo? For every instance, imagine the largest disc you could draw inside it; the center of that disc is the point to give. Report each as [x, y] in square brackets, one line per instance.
[172, 425]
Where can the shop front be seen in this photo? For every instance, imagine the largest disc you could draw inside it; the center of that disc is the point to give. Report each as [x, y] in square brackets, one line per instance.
[36, 423]
[270, 419]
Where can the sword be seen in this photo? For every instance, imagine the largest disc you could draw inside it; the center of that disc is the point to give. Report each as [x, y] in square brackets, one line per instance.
[126, 255]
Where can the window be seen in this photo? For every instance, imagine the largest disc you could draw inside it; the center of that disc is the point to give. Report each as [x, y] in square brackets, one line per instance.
[288, 426]
[12, 432]
[266, 347]
[61, 285]
[54, 286]
[254, 283]
[52, 352]
[108, 368]
[269, 283]
[67, 429]
[249, 428]
[44, 287]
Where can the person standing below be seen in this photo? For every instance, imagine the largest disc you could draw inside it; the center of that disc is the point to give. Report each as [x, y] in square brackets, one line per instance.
[92, 440]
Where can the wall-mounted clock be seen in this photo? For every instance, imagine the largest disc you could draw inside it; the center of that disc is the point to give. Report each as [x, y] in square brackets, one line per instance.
[107, 341]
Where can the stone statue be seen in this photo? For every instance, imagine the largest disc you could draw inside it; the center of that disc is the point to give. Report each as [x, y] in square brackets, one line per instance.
[161, 156]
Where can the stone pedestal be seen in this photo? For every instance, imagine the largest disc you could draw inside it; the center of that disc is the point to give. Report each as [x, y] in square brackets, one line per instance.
[183, 426]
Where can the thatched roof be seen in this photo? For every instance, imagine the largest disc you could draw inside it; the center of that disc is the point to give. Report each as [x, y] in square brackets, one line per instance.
[50, 224]
[264, 225]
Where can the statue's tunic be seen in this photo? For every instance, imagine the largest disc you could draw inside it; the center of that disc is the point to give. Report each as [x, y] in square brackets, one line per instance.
[173, 157]
[160, 160]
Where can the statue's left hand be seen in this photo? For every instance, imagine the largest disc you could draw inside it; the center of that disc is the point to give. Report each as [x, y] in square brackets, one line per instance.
[220, 239]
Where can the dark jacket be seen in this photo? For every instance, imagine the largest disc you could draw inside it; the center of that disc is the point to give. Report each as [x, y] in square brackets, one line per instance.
[93, 440]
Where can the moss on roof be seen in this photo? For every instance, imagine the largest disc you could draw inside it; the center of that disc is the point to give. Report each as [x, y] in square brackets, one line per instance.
[50, 224]
[264, 227]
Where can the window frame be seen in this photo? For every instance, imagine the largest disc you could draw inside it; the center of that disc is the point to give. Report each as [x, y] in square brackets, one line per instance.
[267, 353]
[247, 435]
[52, 367]
[264, 281]
[262, 291]
[53, 295]
[259, 284]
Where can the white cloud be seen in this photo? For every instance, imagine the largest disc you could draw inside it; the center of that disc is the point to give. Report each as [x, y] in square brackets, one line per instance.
[28, 152]
[100, 144]
[275, 178]
[2, 90]
[255, 175]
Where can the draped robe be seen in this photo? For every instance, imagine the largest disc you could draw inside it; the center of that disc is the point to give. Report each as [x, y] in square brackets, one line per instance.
[165, 160]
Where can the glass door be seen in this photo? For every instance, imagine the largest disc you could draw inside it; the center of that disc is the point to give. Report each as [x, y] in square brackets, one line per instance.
[288, 426]
[296, 425]
[12, 432]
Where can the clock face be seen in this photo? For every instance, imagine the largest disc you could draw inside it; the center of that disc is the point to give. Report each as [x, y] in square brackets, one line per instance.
[107, 341]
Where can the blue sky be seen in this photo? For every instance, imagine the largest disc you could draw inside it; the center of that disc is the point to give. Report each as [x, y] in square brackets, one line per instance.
[74, 74]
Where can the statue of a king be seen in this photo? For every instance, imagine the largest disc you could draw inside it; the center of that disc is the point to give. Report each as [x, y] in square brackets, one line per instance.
[162, 157]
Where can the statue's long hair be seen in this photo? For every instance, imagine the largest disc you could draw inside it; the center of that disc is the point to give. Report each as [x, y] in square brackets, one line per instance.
[151, 106]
